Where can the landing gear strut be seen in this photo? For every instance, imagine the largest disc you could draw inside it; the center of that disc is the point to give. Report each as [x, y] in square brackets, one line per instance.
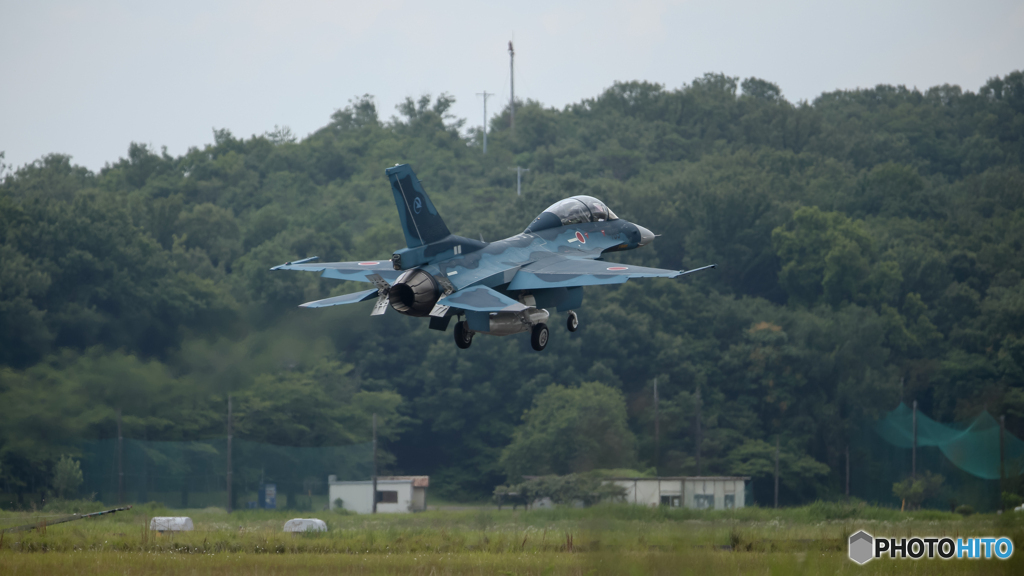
[463, 336]
[572, 322]
[539, 337]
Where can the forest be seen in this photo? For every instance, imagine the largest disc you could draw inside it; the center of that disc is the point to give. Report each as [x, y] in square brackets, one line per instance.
[869, 243]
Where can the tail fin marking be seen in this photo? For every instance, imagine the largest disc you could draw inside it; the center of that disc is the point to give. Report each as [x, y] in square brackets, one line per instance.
[420, 221]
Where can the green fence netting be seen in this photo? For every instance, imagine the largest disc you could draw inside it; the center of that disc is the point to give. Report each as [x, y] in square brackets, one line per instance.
[194, 474]
[967, 455]
[974, 447]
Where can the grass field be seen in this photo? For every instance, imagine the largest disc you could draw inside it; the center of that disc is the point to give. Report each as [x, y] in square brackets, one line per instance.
[610, 539]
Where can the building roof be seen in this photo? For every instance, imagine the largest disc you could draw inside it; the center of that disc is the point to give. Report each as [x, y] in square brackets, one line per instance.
[677, 478]
[416, 481]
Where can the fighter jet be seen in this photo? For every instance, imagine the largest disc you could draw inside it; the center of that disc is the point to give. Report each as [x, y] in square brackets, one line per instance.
[496, 288]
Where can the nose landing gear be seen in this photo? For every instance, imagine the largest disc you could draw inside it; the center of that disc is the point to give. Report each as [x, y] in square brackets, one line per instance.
[572, 322]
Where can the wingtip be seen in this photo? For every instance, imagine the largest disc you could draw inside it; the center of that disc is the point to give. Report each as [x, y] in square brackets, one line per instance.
[303, 261]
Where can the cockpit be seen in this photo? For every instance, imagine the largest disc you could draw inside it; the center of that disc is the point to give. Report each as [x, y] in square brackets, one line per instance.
[575, 210]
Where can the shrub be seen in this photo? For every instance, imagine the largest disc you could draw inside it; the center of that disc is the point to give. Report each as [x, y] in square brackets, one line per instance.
[964, 510]
[915, 491]
[84, 506]
[67, 477]
[585, 488]
[1011, 500]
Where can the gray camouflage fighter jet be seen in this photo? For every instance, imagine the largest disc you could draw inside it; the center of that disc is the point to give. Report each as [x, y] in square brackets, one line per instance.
[502, 287]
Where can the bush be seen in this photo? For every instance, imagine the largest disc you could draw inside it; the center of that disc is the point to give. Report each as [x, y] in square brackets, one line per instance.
[84, 506]
[151, 509]
[67, 477]
[915, 491]
[569, 489]
[836, 510]
[1011, 500]
[964, 510]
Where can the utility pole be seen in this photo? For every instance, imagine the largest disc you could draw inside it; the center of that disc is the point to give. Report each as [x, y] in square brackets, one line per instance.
[776, 470]
[485, 94]
[698, 429]
[229, 453]
[1002, 448]
[913, 455]
[657, 452]
[374, 463]
[519, 179]
[120, 461]
[847, 470]
[512, 83]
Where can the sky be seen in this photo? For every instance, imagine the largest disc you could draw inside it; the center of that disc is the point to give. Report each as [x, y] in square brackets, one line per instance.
[87, 78]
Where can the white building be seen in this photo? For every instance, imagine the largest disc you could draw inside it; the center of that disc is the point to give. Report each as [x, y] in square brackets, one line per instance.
[700, 492]
[394, 494]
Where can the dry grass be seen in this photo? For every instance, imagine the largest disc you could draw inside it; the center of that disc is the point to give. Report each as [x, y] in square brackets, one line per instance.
[600, 540]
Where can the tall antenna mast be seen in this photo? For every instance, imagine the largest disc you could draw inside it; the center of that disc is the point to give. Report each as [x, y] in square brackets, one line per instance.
[485, 94]
[512, 83]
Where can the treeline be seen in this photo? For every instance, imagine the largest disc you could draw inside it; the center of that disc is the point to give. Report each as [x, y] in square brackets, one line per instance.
[869, 246]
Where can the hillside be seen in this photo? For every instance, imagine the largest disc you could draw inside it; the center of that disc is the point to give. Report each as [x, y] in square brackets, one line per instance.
[870, 246]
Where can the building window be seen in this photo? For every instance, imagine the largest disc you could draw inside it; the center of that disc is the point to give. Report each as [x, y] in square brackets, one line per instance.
[387, 496]
[671, 501]
[730, 501]
[704, 501]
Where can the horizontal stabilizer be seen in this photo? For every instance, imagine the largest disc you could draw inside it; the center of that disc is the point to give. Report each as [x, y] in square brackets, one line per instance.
[481, 299]
[343, 299]
[357, 271]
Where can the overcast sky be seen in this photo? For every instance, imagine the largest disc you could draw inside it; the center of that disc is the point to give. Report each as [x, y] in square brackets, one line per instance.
[87, 78]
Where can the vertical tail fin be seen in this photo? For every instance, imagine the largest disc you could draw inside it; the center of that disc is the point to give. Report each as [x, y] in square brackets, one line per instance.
[420, 220]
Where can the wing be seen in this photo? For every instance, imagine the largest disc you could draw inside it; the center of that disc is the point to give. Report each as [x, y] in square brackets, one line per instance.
[343, 299]
[357, 271]
[480, 299]
[570, 272]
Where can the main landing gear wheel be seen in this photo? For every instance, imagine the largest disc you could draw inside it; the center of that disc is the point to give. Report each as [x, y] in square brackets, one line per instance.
[539, 338]
[463, 337]
[572, 322]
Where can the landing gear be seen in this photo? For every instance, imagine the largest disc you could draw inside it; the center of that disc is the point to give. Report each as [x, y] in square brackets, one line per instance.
[463, 336]
[539, 337]
[572, 322]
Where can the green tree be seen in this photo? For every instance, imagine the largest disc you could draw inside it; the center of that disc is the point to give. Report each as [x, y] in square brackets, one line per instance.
[572, 430]
[914, 491]
[798, 471]
[67, 477]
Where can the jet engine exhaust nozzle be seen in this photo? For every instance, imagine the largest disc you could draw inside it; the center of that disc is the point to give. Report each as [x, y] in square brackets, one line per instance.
[414, 293]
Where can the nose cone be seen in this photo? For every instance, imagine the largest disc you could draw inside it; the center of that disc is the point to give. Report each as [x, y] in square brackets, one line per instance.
[646, 236]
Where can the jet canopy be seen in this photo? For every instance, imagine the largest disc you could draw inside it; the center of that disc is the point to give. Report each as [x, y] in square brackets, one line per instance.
[575, 210]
